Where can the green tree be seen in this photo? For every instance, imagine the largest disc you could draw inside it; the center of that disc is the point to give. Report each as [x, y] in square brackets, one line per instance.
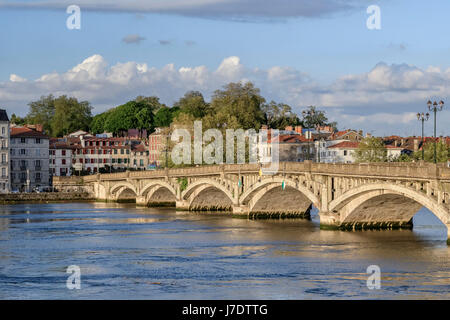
[98, 122]
[193, 103]
[315, 117]
[442, 152]
[164, 117]
[242, 102]
[41, 112]
[280, 115]
[18, 120]
[371, 149]
[150, 102]
[70, 115]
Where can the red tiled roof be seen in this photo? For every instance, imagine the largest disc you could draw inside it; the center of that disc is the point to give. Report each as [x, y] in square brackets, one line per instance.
[346, 144]
[22, 132]
[289, 138]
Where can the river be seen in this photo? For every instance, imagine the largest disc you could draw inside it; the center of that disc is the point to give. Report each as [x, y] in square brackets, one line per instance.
[125, 252]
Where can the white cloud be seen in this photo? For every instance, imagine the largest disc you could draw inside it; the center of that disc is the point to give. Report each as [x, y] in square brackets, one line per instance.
[133, 38]
[387, 95]
[231, 9]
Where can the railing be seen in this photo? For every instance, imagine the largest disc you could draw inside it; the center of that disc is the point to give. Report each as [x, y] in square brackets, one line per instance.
[23, 168]
[399, 170]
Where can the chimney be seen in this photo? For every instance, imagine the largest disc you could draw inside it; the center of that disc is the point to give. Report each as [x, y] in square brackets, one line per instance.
[289, 128]
[298, 129]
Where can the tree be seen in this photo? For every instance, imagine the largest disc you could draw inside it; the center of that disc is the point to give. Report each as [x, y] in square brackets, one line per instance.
[371, 149]
[240, 101]
[70, 115]
[164, 117]
[316, 118]
[98, 122]
[18, 120]
[150, 102]
[442, 152]
[279, 115]
[193, 103]
[42, 111]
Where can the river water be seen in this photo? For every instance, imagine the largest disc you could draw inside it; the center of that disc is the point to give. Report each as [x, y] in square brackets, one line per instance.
[125, 252]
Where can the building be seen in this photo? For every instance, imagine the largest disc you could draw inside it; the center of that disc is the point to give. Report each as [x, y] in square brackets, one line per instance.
[139, 157]
[156, 146]
[5, 185]
[60, 157]
[342, 152]
[29, 159]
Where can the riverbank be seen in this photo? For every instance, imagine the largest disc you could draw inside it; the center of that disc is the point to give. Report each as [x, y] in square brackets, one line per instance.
[45, 197]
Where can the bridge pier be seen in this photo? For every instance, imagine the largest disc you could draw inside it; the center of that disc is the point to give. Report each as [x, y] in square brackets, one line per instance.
[141, 201]
[182, 205]
[329, 221]
[448, 234]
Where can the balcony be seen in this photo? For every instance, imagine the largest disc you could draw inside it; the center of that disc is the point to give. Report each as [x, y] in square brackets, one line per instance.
[23, 168]
[37, 180]
[37, 168]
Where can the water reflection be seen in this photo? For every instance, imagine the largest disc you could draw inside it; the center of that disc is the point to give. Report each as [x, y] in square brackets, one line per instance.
[130, 253]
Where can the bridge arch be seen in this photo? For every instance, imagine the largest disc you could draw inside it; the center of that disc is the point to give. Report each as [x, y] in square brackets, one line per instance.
[208, 194]
[123, 189]
[354, 204]
[258, 190]
[159, 192]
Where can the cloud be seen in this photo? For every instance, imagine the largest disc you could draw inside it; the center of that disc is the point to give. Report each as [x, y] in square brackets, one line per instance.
[165, 42]
[133, 38]
[205, 8]
[384, 98]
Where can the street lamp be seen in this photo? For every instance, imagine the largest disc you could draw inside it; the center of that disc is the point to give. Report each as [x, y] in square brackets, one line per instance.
[435, 107]
[305, 114]
[423, 117]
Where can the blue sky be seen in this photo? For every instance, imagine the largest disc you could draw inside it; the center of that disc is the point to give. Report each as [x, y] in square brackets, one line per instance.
[299, 52]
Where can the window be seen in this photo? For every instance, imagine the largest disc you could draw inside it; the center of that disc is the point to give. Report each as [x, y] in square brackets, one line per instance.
[38, 140]
[12, 165]
[23, 140]
[13, 152]
[141, 162]
[38, 163]
[345, 152]
[63, 161]
[3, 157]
[115, 151]
[63, 152]
[3, 130]
[38, 176]
[23, 151]
[3, 172]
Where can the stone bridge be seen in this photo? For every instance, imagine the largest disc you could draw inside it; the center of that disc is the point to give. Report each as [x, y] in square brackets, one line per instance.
[348, 196]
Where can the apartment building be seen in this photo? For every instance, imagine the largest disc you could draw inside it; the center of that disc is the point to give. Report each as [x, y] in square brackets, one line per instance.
[29, 159]
[60, 157]
[5, 186]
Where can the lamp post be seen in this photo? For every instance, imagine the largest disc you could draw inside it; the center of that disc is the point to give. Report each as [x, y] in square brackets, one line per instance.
[423, 117]
[435, 107]
[305, 114]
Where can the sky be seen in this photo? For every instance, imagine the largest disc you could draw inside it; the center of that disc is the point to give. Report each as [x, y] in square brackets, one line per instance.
[299, 52]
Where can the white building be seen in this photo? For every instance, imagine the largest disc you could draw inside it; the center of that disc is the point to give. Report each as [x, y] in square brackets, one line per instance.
[342, 152]
[60, 158]
[29, 159]
[5, 186]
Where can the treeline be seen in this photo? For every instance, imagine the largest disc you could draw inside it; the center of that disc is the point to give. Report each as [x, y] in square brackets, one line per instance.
[236, 105]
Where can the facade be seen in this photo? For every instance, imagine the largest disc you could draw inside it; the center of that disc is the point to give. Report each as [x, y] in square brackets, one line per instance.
[93, 154]
[29, 159]
[342, 152]
[156, 146]
[60, 158]
[5, 185]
